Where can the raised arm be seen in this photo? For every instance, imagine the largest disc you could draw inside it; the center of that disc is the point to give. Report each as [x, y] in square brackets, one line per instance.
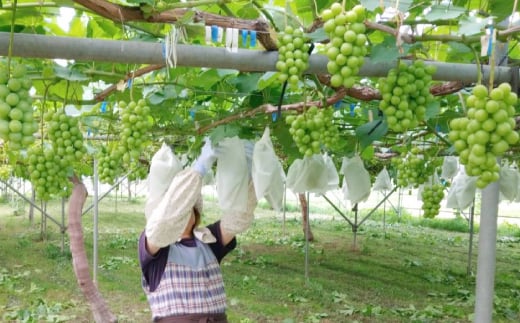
[170, 216]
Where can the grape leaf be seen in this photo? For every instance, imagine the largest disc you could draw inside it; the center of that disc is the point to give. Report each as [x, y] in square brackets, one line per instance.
[443, 12]
[267, 79]
[224, 131]
[246, 83]
[371, 5]
[471, 26]
[384, 52]
[69, 74]
[368, 153]
[371, 131]
[432, 109]
[318, 35]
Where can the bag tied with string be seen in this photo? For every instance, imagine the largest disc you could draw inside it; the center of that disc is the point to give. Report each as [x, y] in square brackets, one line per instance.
[163, 167]
[356, 178]
[308, 175]
[267, 172]
[332, 173]
[383, 181]
[462, 191]
[508, 184]
[450, 166]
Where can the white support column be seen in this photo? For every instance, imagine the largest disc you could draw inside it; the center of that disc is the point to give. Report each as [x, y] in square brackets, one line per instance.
[487, 254]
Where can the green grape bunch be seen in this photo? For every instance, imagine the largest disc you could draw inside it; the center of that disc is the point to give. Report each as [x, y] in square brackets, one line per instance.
[313, 130]
[48, 173]
[293, 56]
[124, 154]
[486, 132]
[110, 164]
[412, 168]
[17, 124]
[405, 95]
[347, 47]
[134, 128]
[66, 136]
[432, 196]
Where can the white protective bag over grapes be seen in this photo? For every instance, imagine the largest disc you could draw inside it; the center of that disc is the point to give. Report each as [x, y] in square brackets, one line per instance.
[450, 166]
[357, 179]
[163, 167]
[232, 176]
[517, 198]
[267, 172]
[383, 181]
[508, 182]
[308, 175]
[462, 191]
[332, 173]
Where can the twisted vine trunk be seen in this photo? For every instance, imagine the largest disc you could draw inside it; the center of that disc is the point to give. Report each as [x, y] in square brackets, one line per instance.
[305, 217]
[98, 306]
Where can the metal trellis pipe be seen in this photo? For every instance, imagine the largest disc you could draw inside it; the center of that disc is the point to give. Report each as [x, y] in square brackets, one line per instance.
[143, 52]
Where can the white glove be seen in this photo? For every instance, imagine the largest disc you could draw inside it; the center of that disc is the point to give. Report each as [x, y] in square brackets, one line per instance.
[207, 158]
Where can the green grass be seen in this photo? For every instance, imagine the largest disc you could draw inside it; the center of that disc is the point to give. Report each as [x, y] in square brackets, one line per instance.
[405, 269]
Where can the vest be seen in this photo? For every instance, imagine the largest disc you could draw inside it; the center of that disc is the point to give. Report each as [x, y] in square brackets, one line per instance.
[191, 283]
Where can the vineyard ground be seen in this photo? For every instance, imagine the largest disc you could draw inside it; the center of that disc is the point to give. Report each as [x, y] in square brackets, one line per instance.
[391, 272]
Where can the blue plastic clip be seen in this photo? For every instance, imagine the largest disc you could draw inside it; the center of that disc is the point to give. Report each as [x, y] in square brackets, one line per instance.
[214, 33]
[337, 105]
[129, 83]
[103, 107]
[192, 114]
[490, 42]
[244, 37]
[274, 116]
[252, 40]
[352, 108]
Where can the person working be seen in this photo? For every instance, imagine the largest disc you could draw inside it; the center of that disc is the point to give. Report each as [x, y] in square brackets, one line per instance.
[180, 261]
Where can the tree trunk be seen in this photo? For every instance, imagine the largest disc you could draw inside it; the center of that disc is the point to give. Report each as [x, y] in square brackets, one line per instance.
[99, 308]
[305, 217]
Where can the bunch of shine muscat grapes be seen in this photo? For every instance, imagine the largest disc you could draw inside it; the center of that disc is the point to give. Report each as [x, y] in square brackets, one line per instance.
[293, 56]
[486, 132]
[432, 196]
[347, 47]
[413, 169]
[17, 124]
[405, 94]
[138, 172]
[5, 171]
[48, 172]
[110, 163]
[313, 130]
[135, 124]
[66, 136]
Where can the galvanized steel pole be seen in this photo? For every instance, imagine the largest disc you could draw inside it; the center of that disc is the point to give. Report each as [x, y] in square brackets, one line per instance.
[141, 52]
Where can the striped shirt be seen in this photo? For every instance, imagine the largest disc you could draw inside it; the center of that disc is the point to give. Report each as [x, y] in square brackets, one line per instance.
[185, 277]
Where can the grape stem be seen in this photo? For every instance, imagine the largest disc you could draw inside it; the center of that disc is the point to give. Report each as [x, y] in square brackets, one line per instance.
[11, 38]
[492, 59]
